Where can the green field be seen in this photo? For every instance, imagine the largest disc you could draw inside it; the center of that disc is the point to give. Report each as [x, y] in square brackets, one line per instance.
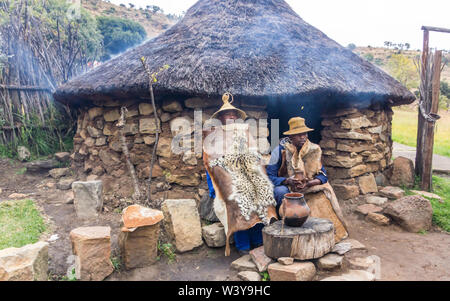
[20, 224]
[404, 130]
[441, 211]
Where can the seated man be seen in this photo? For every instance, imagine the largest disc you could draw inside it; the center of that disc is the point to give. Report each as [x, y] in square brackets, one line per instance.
[295, 166]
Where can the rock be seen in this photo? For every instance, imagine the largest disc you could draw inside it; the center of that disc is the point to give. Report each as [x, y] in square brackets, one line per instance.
[402, 172]
[62, 156]
[108, 157]
[352, 275]
[145, 108]
[23, 154]
[363, 263]
[147, 125]
[356, 123]
[378, 219]
[181, 126]
[392, 192]
[149, 140]
[214, 235]
[164, 147]
[286, 260]
[249, 276]
[206, 208]
[375, 130]
[27, 263]
[92, 247]
[139, 248]
[93, 132]
[412, 213]
[41, 165]
[342, 248]
[367, 208]
[381, 179]
[200, 103]
[95, 112]
[111, 115]
[347, 135]
[342, 161]
[89, 142]
[330, 262]
[191, 179]
[172, 106]
[298, 271]
[138, 216]
[88, 198]
[367, 184]
[355, 245]
[57, 173]
[189, 158]
[17, 196]
[427, 194]
[64, 183]
[260, 259]
[69, 197]
[375, 200]
[244, 263]
[346, 191]
[182, 223]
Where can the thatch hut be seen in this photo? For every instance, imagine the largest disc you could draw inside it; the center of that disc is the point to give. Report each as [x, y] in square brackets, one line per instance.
[275, 64]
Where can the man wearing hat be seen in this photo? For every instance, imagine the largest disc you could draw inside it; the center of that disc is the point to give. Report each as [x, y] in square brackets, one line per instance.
[296, 166]
[244, 239]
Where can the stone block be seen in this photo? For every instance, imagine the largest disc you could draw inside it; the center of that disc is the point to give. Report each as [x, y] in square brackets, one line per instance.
[182, 223]
[172, 106]
[92, 248]
[111, 115]
[138, 216]
[356, 123]
[298, 271]
[145, 108]
[367, 184]
[286, 260]
[64, 183]
[413, 213]
[345, 191]
[249, 276]
[368, 208]
[342, 161]
[27, 263]
[88, 198]
[378, 219]
[139, 248]
[57, 173]
[392, 192]
[330, 262]
[260, 259]
[244, 263]
[214, 235]
[402, 172]
[147, 125]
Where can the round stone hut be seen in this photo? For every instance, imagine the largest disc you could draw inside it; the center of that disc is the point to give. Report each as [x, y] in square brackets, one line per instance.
[275, 64]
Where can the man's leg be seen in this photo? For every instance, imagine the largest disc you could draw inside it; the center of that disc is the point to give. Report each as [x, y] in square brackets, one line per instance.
[256, 238]
[242, 240]
[278, 193]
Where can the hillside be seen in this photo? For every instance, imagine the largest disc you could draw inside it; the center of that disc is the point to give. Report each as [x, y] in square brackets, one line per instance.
[153, 23]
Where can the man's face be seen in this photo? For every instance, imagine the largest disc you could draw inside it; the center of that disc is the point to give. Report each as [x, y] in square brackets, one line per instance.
[299, 139]
[228, 115]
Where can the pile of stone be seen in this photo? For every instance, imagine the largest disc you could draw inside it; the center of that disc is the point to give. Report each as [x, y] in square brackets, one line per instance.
[98, 150]
[347, 261]
[357, 149]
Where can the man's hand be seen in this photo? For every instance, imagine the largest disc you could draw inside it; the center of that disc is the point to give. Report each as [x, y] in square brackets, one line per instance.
[313, 183]
[291, 182]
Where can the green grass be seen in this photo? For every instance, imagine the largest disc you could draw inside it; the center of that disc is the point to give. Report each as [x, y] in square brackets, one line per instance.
[167, 250]
[20, 223]
[404, 130]
[441, 211]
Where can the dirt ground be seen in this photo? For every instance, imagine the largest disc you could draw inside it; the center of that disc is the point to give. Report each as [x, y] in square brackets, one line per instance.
[404, 256]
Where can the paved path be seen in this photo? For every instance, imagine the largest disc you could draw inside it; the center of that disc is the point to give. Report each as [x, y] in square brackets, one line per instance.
[441, 164]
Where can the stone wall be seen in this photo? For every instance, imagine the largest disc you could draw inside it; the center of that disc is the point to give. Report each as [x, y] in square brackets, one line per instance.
[357, 149]
[98, 151]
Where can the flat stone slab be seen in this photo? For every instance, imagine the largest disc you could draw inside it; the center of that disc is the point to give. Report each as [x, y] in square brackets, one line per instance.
[347, 245]
[138, 216]
[260, 259]
[330, 262]
[392, 192]
[244, 263]
[88, 198]
[249, 276]
[427, 194]
[375, 200]
[368, 208]
[286, 260]
[378, 219]
[298, 271]
[352, 275]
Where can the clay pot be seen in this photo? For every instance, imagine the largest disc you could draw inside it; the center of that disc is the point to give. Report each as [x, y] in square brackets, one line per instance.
[294, 209]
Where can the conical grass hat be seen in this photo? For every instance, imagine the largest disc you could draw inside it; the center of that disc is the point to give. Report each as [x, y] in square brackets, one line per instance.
[228, 106]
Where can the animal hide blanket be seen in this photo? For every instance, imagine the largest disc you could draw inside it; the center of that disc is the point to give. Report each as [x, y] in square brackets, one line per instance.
[244, 193]
[320, 198]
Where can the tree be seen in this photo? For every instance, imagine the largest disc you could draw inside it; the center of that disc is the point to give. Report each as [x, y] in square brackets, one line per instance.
[351, 46]
[445, 89]
[119, 34]
[369, 57]
[403, 69]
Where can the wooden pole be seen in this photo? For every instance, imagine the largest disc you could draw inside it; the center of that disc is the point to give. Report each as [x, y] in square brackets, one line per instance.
[428, 142]
[421, 120]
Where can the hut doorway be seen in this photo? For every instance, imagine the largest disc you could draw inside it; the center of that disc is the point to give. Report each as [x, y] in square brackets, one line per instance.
[306, 107]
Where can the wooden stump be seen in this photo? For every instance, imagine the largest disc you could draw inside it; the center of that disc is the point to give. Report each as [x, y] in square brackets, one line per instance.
[313, 240]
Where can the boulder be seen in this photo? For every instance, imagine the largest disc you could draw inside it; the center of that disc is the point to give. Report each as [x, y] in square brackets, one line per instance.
[23, 154]
[57, 173]
[260, 259]
[62, 156]
[402, 172]
[182, 223]
[392, 192]
[298, 271]
[41, 165]
[249, 276]
[88, 198]
[27, 263]
[367, 184]
[244, 263]
[286, 260]
[92, 248]
[378, 219]
[330, 262]
[413, 213]
[214, 235]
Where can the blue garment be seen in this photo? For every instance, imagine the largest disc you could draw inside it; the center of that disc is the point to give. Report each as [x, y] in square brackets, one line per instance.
[244, 240]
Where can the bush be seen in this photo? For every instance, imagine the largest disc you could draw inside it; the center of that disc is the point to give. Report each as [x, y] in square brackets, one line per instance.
[351, 46]
[369, 57]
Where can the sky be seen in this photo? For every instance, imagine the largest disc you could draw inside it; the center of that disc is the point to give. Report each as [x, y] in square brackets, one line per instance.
[360, 22]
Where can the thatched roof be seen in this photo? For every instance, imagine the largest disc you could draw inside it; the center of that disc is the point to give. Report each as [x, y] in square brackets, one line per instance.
[252, 48]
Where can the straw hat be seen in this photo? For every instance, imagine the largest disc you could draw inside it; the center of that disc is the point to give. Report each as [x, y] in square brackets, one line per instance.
[227, 106]
[297, 126]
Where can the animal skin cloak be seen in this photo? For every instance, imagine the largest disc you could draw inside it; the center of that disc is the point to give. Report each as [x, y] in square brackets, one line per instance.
[244, 193]
[320, 198]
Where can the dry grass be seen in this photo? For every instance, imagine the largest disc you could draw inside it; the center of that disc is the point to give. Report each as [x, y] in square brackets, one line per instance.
[404, 130]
